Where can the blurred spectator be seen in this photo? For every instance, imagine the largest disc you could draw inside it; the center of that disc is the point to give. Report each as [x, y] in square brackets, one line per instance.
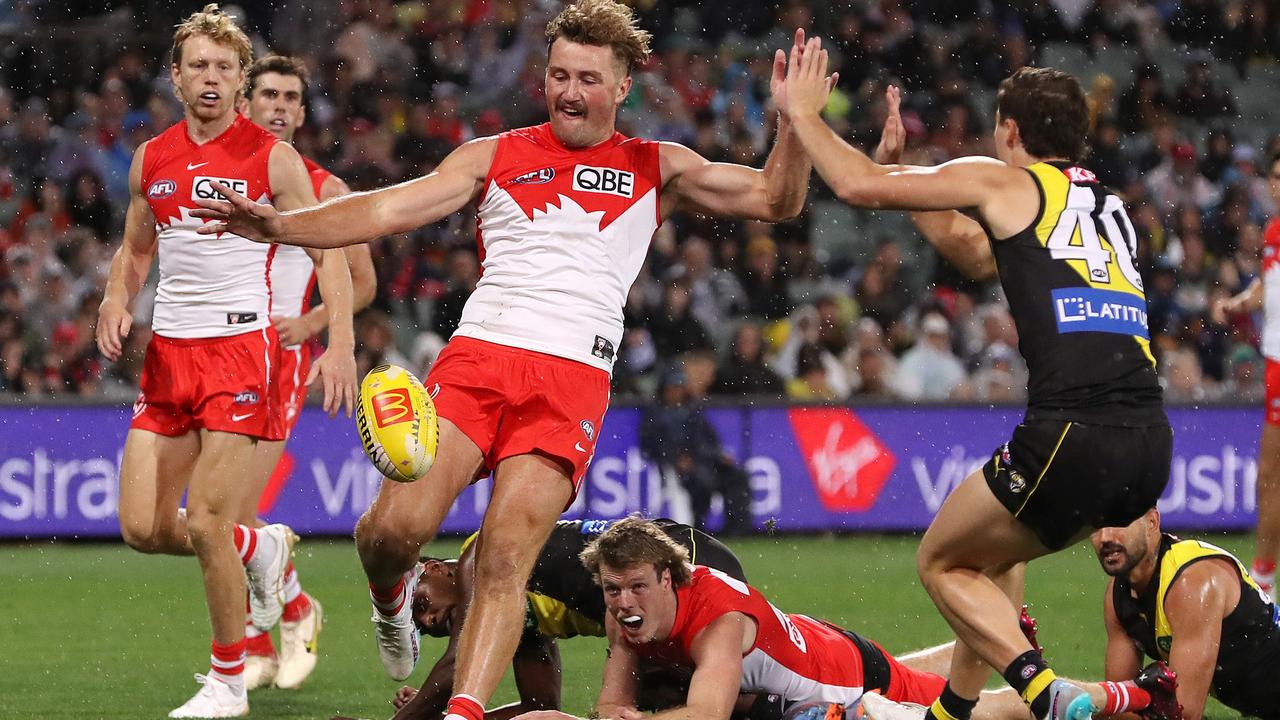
[675, 330]
[676, 435]
[464, 273]
[744, 372]
[1198, 98]
[812, 380]
[930, 370]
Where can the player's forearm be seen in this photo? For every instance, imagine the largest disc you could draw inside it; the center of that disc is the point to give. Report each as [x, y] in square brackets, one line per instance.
[426, 705]
[786, 174]
[129, 270]
[846, 170]
[955, 238]
[362, 293]
[1251, 299]
[335, 290]
[511, 710]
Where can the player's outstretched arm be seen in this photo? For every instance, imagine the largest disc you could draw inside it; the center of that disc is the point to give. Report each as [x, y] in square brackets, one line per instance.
[957, 237]
[773, 194]
[359, 217]
[129, 266]
[972, 182]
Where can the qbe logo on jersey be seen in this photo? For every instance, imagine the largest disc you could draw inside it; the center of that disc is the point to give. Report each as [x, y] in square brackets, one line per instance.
[202, 187]
[603, 180]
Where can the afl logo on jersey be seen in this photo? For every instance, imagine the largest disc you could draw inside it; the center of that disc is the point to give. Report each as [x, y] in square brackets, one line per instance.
[537, 177]
[603, 180]
[202, 187]
[161, 189]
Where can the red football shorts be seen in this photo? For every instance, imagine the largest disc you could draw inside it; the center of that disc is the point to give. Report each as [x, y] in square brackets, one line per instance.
[219, 384]
[912, 686]
[290, 387]
[1273, 392]
[512, 402]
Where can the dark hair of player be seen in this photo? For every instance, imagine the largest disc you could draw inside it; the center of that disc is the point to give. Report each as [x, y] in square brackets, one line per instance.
[602, 22]
[281, 65]
[1050, 109]
[636, 541]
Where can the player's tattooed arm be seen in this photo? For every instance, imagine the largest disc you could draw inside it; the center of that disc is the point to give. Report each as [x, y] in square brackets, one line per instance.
[129, 266]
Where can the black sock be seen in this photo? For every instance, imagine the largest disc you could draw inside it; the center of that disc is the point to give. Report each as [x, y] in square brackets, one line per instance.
[950, 706]
[1031, 676]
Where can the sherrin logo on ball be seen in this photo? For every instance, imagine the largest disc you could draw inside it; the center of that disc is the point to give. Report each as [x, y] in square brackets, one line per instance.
[397, 423]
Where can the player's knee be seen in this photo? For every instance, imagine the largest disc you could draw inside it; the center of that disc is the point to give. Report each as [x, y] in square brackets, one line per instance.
[389, 533]
[503, 567]
[207, 528]
[141, 535]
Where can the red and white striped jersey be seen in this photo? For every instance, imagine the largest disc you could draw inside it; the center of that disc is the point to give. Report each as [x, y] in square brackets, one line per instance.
[293, 273]
[1271, 291]
[563, 233]
[794, 656]
[210, 285]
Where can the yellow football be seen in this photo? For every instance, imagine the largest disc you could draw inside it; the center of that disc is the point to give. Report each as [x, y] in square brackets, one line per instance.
[397, 423]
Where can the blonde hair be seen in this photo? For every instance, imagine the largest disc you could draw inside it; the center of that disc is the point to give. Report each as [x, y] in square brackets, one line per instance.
[599, 23]
[220, 28]
[636, 541]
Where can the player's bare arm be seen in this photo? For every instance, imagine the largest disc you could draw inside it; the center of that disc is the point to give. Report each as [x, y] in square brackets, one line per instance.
[129, 266]
[1123, 658]
[1005, 196]
[619, 685]
[336, 368]
[773, 194]
[1196, 603]
[1247, 300]
[429, 701]
[364, 282]
[359, 217]
[717, 675]
[957, 237]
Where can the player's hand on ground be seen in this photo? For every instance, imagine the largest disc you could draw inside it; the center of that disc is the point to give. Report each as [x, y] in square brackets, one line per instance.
[292, 330]
[893, 138]
[336, 370]
[114, 323]
[237, 214]
[807, 84]
[630, 714]
[403, 696]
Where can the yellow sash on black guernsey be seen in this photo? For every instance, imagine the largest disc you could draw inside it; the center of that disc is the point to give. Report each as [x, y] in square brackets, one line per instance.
[1244, 675]
[1105, 263]
[550, 616]
[1077, 300]
[1175, 560]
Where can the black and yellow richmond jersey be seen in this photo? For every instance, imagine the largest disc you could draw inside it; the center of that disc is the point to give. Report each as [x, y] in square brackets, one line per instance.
[563, 599]
[1078, 303]
[1245, 675]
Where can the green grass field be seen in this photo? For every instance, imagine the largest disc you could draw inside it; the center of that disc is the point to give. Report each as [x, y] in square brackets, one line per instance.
[98, 631]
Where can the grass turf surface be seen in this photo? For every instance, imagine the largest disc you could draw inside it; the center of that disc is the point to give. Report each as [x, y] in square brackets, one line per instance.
[98, 631]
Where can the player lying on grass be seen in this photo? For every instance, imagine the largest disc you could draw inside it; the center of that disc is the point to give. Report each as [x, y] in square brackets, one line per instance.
[664, 611]
[563, 602]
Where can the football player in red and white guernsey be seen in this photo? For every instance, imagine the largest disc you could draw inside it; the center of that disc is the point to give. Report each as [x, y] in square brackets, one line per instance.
[275, 100]
[661, 610]
[566, 211]
[1264, 293]
[206, 395]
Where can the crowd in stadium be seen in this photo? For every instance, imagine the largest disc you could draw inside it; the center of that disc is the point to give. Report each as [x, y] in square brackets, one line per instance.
[830, 307]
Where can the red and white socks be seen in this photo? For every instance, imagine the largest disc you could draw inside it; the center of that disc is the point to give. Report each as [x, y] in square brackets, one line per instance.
[296, 603]
[390, 601]
[1263, 572]
[1124, 697]
[226, 664]
[464, 707]
[256, 549]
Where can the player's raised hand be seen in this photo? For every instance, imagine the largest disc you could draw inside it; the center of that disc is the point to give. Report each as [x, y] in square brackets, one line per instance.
[778, 82]
[336, 369]
[114, 323]
[893, 138]
[237, 214]
[807, 84]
